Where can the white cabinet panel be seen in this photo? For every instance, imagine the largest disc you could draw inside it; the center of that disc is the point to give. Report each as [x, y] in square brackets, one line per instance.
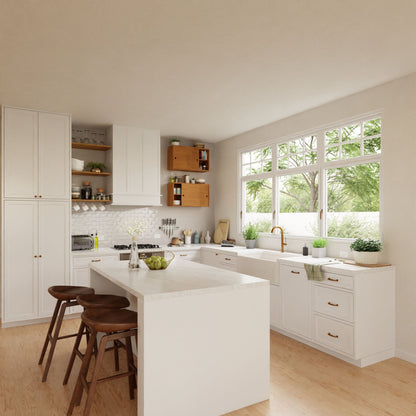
[296, 300]
[136, 166]
[54, 155]
[332, 302]
[20, 153]
[20, 276]
[275, 306]
[191, 255]
[54, 237]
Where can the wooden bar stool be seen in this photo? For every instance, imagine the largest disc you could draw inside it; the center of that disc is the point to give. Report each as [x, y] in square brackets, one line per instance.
[98, 302]
[66, 297]
[117, 324]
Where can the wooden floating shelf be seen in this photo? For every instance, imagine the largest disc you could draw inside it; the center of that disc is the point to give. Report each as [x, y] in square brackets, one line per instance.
[86, 173]
[92, 200]
[89, 146]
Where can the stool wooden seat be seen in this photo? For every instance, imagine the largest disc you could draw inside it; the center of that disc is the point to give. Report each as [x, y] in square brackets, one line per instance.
[101, 303]
[66, 297]
[92, 301]
[117, 324]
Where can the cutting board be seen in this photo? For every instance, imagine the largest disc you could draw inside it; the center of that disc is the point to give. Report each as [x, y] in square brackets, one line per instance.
[221, 233]
[346, 261]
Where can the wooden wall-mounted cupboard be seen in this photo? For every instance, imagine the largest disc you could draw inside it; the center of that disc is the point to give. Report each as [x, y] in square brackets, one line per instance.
[35, 215]
[188, 195]
[188, 159]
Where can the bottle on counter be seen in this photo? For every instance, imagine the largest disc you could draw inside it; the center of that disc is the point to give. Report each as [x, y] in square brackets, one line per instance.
[196, 237]
[305, 250]
[96, 241]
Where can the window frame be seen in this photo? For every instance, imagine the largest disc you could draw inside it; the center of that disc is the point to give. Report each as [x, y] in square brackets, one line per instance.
[321, 166]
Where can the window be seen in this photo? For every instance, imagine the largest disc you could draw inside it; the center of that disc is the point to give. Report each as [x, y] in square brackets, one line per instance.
[322, 184]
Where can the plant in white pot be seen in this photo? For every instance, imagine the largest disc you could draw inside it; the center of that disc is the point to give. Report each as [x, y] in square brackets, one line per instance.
[250, 234]
[366, 251]
[319, 247]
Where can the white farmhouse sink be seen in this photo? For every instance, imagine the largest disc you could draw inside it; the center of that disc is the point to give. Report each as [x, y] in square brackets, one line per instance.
[262, 263]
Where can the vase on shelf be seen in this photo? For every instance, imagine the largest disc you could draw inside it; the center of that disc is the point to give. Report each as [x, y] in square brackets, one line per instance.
[134, 257]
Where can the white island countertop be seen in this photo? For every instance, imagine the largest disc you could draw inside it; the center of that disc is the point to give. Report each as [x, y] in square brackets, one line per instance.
[181, 278]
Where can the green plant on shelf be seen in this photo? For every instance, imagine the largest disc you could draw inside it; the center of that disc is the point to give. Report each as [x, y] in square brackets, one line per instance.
[95, 167]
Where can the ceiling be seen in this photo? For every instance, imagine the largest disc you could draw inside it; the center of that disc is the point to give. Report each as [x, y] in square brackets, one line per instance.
[206, 69]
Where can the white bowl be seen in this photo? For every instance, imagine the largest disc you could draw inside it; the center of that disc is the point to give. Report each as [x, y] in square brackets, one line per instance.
[77, 164]
[200, 181]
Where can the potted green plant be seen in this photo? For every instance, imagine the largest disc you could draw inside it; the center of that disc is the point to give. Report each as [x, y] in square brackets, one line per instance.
[175, 142]
[319, 247]
[250, 234]
[95, 167]
[366, 251]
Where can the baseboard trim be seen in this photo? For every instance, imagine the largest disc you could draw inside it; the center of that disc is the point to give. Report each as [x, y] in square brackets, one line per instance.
[35, 321]
[407, 356]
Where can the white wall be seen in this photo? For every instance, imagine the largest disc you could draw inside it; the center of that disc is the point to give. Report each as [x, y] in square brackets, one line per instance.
[397, 100]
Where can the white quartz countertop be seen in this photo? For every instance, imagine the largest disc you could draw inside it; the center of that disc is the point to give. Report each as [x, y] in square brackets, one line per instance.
[337, 267]
[180, 278]
[109, 251]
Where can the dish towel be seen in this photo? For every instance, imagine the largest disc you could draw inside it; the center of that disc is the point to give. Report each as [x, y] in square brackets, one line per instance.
[314, 272]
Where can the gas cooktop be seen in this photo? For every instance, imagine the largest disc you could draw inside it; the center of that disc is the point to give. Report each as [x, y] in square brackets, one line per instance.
[139, 246]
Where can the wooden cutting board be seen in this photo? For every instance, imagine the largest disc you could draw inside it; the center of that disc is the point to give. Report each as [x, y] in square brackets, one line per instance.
[221, 233]
[345, 261]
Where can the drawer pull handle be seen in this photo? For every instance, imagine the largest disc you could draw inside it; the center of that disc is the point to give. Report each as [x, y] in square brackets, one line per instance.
[333, 336]
[227, 259]
[332, 304]
[35, 257]
[216, 254]
[294, 272]
[95, 261]
[183, 255]
[333, 280]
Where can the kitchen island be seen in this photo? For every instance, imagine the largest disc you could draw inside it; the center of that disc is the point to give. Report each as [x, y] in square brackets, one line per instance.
[203, 344]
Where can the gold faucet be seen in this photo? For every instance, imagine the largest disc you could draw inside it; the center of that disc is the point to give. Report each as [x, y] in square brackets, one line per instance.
[283, 244]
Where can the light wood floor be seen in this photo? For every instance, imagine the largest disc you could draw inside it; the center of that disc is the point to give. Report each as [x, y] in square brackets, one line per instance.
[304, 381]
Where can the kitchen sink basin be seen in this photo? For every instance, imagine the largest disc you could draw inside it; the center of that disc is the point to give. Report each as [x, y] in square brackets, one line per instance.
[262, 263]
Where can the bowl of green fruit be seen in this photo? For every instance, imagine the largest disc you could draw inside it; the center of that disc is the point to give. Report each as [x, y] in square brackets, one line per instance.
[158, 262]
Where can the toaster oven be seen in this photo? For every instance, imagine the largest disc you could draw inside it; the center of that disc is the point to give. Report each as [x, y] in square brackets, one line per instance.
[82, 242]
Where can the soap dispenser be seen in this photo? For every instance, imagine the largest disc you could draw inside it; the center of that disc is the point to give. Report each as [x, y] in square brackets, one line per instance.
[305, 250]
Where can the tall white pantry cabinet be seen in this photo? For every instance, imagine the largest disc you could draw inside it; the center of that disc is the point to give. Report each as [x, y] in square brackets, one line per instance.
[35, 216]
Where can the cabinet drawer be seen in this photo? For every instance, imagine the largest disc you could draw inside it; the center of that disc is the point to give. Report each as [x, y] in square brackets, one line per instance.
[227, 260]
[333, 302]
[291, 271]
[338, 280]
[334, 334]
[79, 263]
[192, 255]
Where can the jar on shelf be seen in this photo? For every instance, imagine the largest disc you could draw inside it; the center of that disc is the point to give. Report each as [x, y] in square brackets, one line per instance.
[76, 192]
[100, 194]
[86, 191]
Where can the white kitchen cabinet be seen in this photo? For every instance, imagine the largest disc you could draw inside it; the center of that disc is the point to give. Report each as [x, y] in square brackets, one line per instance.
[19, 265]
[191, 255]
[54, 249]
[275, 306]
[35, 256]
[135, 165]
[36, 154]
[296, 300]
[218, 258]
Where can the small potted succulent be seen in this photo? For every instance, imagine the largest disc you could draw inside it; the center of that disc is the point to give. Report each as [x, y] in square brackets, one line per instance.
[319, 247]
[175, 142]
[95, 167]
[366, 251]
[250, 234]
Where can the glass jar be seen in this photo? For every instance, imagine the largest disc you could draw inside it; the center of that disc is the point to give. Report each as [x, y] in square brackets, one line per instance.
[76, 192]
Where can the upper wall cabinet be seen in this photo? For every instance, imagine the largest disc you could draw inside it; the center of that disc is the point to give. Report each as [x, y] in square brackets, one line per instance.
[36, 154]
[135, 163]
[188, 159]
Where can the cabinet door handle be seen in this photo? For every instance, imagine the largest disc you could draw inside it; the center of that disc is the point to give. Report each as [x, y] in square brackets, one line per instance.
[95, 261]
[35, 257]
[216, 254]
[294, 272]
[333, 336]
[182, 255]
[333, 280]
[36, 196]
[332, 304]
[227, 259]
[40, 196]
[40, 255]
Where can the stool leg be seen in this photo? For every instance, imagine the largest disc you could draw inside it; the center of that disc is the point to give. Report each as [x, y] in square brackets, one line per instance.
[130, 366]
[77, 393]
[74, 352]
[116, 356]
[51, 325]
[54, 340]
[97, 367]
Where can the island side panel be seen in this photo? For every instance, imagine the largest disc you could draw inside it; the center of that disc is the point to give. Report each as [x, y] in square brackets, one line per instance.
[205, 354]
